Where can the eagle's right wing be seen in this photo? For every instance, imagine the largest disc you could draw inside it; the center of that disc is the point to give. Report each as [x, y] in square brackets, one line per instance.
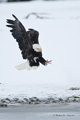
[21, 36]
[33, 35]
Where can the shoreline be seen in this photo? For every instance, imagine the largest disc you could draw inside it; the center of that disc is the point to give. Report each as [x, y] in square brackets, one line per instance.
[34, 100]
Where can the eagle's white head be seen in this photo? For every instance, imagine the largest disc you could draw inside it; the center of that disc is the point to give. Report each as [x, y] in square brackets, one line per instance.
[37, 48]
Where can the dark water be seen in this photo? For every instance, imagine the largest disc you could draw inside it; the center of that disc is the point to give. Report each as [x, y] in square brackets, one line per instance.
[41, 112]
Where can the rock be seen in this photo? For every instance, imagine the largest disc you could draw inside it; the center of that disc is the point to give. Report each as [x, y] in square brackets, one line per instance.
[74, 88]
[72, 99]
[26, 99]
[75, 96]
[3, 101]
[33, 100]
[7, 99]
[77, 99]
[16, 99]
[3, 105]
[60, 100]
[47, 101]
[37, 102]
[67, 100]
[50, 100]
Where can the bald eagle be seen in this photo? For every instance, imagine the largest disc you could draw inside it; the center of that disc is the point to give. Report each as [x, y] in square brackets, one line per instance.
[28, 44]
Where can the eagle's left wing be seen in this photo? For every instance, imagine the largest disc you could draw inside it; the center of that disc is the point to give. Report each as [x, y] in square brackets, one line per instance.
[19, 33]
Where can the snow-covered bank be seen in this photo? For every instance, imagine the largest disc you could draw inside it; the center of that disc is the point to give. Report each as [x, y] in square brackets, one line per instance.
[60, 41]
[34, 100]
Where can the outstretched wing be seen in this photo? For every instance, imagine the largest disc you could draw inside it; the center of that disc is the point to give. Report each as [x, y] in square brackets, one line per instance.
[19, 33]
[33, 35]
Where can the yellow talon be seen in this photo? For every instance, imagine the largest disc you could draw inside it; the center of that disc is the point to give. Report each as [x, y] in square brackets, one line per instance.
[48, 62]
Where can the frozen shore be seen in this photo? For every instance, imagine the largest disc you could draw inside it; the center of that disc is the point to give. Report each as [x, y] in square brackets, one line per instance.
[35, 101]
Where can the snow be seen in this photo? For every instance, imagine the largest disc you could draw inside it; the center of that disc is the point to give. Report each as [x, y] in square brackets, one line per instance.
[60, 42]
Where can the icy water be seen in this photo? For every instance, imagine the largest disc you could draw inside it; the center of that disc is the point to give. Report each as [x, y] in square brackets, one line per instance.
[55, 111]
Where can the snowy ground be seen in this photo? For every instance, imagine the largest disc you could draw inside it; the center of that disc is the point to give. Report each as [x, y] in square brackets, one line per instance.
[60, 40]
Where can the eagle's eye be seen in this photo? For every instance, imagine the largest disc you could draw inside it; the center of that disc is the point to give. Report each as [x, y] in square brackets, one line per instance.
[37, 48]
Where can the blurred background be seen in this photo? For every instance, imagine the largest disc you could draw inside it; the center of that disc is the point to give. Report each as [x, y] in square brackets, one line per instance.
[33, 0]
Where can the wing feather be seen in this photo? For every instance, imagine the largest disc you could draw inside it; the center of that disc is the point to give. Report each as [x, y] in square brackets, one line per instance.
[33, 34]
[19, 33]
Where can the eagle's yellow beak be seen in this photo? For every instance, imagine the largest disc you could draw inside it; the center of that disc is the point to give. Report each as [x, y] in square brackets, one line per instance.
[40, 50]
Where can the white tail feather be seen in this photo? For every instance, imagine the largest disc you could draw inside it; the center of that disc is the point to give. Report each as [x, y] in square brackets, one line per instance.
[23, 66]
